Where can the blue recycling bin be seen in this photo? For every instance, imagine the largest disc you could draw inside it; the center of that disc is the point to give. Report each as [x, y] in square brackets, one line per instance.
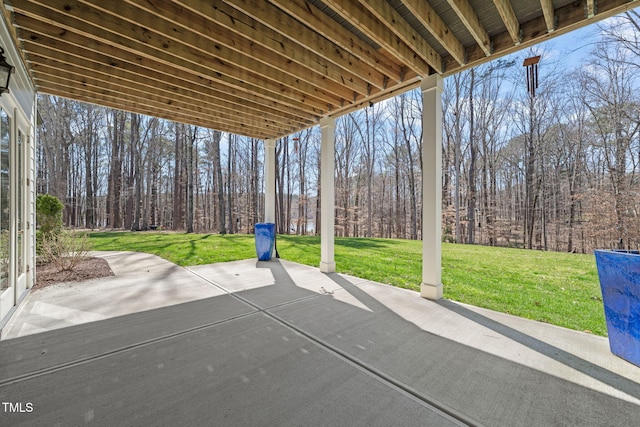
[619, 274]
[265, 240]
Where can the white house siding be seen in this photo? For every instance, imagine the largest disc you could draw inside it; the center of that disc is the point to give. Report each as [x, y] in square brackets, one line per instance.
[17, 244]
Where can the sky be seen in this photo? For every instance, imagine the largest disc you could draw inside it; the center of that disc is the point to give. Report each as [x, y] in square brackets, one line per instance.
[574, 48]
[571, 49]
[567, 52]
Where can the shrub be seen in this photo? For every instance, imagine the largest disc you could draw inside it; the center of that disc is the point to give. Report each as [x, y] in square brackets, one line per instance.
[66, 249]
[49, 213]
[49, 219]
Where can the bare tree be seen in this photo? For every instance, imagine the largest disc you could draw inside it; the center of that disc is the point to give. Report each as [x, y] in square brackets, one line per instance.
[191, 148]
[116, 136]
[609, 95]
[453, 112]
[216, 136]
[405, 111]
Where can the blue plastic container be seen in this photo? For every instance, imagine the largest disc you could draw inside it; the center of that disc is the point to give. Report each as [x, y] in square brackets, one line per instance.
[265, 240]
[619, 274]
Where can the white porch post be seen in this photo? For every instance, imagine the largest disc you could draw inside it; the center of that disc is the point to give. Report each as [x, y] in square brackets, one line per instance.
[270, 180]
[327, 189]
[431, 286]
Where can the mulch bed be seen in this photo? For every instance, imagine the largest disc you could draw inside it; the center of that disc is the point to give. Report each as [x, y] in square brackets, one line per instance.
[89, 268]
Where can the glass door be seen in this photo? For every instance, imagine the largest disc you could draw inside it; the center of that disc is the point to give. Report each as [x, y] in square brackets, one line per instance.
[7, 292]
[21, 241]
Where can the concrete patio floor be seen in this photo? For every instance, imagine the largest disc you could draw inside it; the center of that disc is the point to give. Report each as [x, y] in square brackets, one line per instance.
[276, 343]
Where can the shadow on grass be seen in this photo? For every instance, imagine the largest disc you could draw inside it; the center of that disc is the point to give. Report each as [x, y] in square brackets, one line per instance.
[298, 240]
[348, 242]
[364, 243]
[193, 245]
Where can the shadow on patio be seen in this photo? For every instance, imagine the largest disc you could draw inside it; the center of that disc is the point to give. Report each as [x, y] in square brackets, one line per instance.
[279, 343]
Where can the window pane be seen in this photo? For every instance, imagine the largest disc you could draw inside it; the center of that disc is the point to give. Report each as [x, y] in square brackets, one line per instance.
[5, 209]
[20, 215]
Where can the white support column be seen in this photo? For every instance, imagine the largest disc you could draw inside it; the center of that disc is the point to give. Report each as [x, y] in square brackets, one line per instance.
[270, 180]
[431, 286]
[327, 190]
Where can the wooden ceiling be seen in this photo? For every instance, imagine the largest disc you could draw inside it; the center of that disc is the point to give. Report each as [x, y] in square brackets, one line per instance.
[268, 68]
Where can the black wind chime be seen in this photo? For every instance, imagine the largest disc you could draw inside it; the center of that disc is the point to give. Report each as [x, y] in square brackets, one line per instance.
[532, 74]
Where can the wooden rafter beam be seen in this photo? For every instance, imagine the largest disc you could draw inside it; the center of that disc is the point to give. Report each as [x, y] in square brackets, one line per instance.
[164, 97]
[436, 26]
[247, 36]
[372, 27]
[114, 60]
[122, 103]
[202, 32]
[471, 21]
[505, 10]
[568, 18]
[197, 43]
[45, 51]
[312, 17]
[549, 14]
[267, 68]
[48, 76]
[590, 9]
[283, 35]
[93, 25]
[174, 97]
[389, 17]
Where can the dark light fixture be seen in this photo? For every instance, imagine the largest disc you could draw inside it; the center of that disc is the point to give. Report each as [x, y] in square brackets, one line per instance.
[5, 73]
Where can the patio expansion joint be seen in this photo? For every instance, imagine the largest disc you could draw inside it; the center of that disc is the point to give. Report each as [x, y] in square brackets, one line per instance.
[379, 375]
[251, 303]
[89, 359]
[427, 401]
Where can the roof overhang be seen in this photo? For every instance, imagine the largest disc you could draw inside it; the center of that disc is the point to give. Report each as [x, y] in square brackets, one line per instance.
[268, 68]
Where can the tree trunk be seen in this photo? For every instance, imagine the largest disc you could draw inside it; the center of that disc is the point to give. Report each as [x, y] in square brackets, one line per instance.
[90, 152]
[219, 184]
[193, 132]
[471, 182]
[114, 218]
[530, 178]
[230, 180]
[178, 180]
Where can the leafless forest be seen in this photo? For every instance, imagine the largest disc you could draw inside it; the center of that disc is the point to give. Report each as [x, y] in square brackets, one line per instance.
[555, 171]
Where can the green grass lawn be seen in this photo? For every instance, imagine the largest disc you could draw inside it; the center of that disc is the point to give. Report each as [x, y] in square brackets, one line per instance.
[557, 288]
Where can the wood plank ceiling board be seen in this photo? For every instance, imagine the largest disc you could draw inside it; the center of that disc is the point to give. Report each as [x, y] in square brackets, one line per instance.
[46, 51]
[428, 18]
[472, 24]
[397, 39]
[506, 12]
[269, 68]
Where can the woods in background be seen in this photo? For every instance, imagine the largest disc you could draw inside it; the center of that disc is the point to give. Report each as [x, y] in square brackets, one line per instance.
[554, 171]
